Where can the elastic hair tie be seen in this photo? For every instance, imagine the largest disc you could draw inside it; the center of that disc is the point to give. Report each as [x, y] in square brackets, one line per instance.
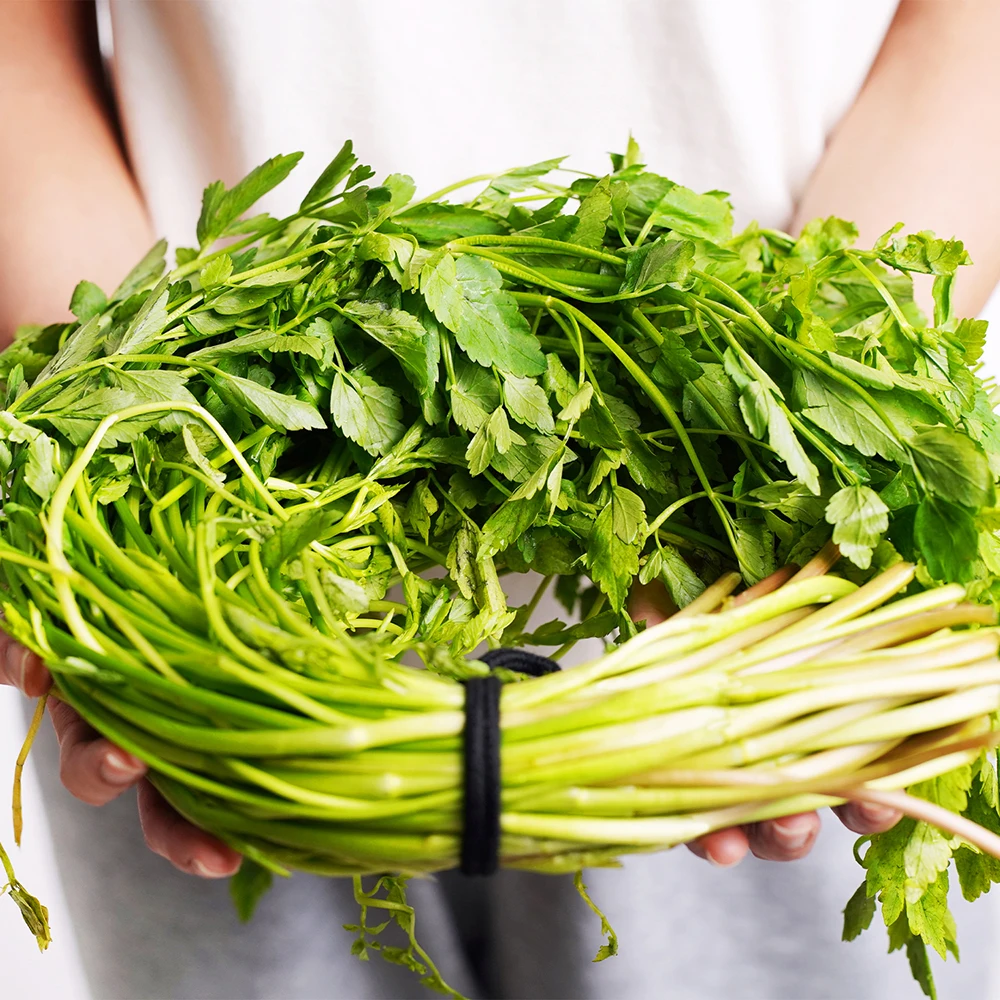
[481, 758]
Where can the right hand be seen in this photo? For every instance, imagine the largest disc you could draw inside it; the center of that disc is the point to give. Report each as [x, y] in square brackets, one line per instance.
[96, 771]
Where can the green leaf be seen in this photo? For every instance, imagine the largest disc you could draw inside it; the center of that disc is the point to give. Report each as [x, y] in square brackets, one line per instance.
[88, 300]
[953, 467]
[496, 195]
[667, 564]
[420, 508]
[34, 914]
[220, 207]
[474, 396]
[615, 543]
[527, 402]
[146, 325]
[822, 237]
[153, 386]
[247, 887]
[510, 521]
[947, 537]
[977, 872]
[708, 215]
[849, 419]
[858, 913]
[197, 456]
[276, 409]
[754, 549]
[578, 403]
[465, 295]
[294, 535]
[763, 412]
[216, 272]
[434, 223]
[859, 518]
[418, 349]
[921, 252]
[264, 340]
[665, 260]
[144, 274]
[972, 335]
[555, 633]
[335, 171]
[42, 472]
[594, 214]
[368, 413]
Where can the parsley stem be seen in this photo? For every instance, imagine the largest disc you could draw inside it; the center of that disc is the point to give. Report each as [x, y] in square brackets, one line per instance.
[539, 243]
[651, 390]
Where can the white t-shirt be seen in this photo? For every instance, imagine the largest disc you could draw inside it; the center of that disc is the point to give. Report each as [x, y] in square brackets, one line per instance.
[738, 95]
[721, 94]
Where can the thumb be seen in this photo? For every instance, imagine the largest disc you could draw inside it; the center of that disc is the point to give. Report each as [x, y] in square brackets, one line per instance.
[22, 668]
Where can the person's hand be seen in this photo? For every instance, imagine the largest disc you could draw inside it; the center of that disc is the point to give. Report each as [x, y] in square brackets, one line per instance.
[785, 839]
[96, 771]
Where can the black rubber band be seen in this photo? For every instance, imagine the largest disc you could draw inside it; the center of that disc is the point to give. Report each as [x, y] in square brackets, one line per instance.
[481, 807]
[520, 660]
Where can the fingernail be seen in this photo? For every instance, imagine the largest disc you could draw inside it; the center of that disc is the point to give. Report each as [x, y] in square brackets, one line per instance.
[216, 868]
[718, 863]
[875, 814]
[791, 838]
[120, 768]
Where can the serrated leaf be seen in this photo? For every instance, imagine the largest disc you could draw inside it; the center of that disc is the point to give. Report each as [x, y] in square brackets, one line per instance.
[466, 296]
[144, 274]
[614, 545]
[668, 565]
[88, 300]
[527, 403]
[662, 261]
[264, 340]
[367, 412]
[221, 207]
[276, 409]
[763, 413]
[858, 913]
[594, 213]
[417, 348]
[754, 549]
[953, 467]
[848, 419]
[335, 171]
[216, 272]
[146, 326]
[859, 518]
[947, 537]
[578, 403]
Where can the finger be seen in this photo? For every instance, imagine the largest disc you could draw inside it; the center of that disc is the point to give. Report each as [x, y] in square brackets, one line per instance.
[186, 847]
[91, 767]
[22, 668]
[867, 817]
[650, 602]
[785, 839]
[723, 848]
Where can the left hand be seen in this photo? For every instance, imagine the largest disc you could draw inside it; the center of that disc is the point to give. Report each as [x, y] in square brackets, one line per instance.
[786, 839]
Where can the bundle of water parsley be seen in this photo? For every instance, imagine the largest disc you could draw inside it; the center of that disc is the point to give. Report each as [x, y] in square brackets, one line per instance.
[238, 493]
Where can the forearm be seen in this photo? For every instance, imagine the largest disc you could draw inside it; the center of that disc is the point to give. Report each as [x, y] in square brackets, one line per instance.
[71, 209]
[920, 144]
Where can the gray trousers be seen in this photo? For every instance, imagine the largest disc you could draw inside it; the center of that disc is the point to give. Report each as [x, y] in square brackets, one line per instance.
[687, 931]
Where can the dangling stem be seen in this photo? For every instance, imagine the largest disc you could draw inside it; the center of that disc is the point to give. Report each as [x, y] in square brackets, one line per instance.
[22, 757]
